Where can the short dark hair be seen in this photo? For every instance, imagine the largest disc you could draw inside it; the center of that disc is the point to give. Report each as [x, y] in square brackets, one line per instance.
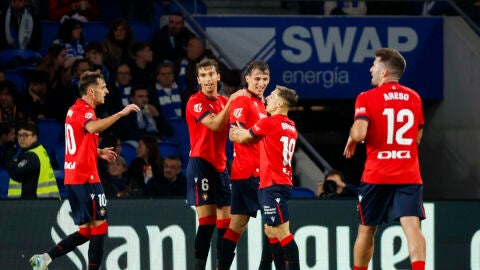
[87, 79]
[138, 46]
[257, 64]
[163, 64]
[287, 94]
[334, 172]
[393, 60]
[28, 126]
[94, 46]
[77, 63]
[207, 62]
[136, 88]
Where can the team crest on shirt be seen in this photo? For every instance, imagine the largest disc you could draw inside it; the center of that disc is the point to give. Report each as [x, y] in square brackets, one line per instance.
[197, 107]
[237, 112]
[205, 196]
[88, 115]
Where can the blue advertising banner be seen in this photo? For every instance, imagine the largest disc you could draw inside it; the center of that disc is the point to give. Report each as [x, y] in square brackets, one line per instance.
[330, 57]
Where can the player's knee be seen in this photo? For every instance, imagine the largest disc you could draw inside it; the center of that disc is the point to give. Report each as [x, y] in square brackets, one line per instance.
[270, 232]
[99, 229]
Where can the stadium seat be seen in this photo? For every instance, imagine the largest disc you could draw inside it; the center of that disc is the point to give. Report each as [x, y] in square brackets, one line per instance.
[302, 192]
[141, 31]
[51, 132]
[95, 31]
[59, 175]
[18, 60]
[60, 155]
[180, 135]
[49, 30]
[128, 152]
[4, 181]
[18, 78]
[167, 148]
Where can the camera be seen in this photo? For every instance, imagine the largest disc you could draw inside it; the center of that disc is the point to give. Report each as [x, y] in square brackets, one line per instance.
[329, 189]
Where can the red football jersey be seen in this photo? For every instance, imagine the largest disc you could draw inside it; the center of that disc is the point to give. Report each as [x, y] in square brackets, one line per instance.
[206, 143]
[80, 146]
[278, 137]
[394, 114]
[246, 156]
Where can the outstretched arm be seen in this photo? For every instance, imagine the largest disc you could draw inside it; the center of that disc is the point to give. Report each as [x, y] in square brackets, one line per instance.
[102, 124]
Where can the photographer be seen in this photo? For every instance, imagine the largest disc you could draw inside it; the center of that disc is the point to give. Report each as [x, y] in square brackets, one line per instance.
[334, 185]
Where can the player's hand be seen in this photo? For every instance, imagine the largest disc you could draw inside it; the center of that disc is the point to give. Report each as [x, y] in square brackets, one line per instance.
[128, 109]
[107, 153]
[236, 128]
[350, 147]
[241, 92]
[153, 111]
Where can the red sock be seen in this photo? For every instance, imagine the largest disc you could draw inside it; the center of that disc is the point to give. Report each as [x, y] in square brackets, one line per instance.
[360, 268]
[418, 265]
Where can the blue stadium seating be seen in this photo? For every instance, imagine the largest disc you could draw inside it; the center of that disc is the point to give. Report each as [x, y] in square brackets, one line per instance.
[180, 135]
[302, 192]
[94, 31]
[49, 31]
[51, 132]
[168, 148]
[128, 152]
[4, 180]
[60, 155]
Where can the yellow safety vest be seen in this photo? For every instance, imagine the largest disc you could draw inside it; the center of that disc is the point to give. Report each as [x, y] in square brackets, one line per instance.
[47, 184]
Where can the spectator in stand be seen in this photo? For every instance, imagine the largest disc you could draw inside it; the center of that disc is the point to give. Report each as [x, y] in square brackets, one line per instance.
[117, 44]
[345, 8]
[54, 64]
[119, 89]
[107, 139]
[59, 8]
[334, 186]
[8, 144]
[2, 73]
[10, 111]
[170, 41]
[148, 121]
[196, 51]
[30, 170]
[115, 180]
[94, 53]
[147, 164]
[36, 96]
[172, 183]
[70, 36]
[72, 91]
[166, 91]
[19, 27]
[141, 67]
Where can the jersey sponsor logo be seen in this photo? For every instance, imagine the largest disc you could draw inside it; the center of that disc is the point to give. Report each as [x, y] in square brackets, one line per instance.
[197, 107]
[88, 115]
[237, 112]
[394, 154]
[70, 165]
[360, 110]
[69, 113]
[396, 96]
[288, 126]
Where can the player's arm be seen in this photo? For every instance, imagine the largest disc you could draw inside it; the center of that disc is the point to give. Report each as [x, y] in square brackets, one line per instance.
[238, 134]
[358, 133]
[102, 124]
[217, 121]
[419, 136]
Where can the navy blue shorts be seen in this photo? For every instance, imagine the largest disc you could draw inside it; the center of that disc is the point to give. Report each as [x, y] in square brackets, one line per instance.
[245, 195]
[205, 185]
[380, 203]
[274, 201]
[88, 202]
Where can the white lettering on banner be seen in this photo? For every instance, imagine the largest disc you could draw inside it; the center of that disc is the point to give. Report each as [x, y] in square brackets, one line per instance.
[131, 248]
[326, 78]
[178, 239]
[319, 234]
[332, 41]
[475, 251]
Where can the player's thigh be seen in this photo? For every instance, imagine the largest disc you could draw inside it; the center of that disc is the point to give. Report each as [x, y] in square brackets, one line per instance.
[275, 204]
[202, 182]
[374, 203]
[408, 201]
[245, 199]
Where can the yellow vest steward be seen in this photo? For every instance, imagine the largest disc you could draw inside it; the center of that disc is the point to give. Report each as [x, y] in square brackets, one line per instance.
[47, 184]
